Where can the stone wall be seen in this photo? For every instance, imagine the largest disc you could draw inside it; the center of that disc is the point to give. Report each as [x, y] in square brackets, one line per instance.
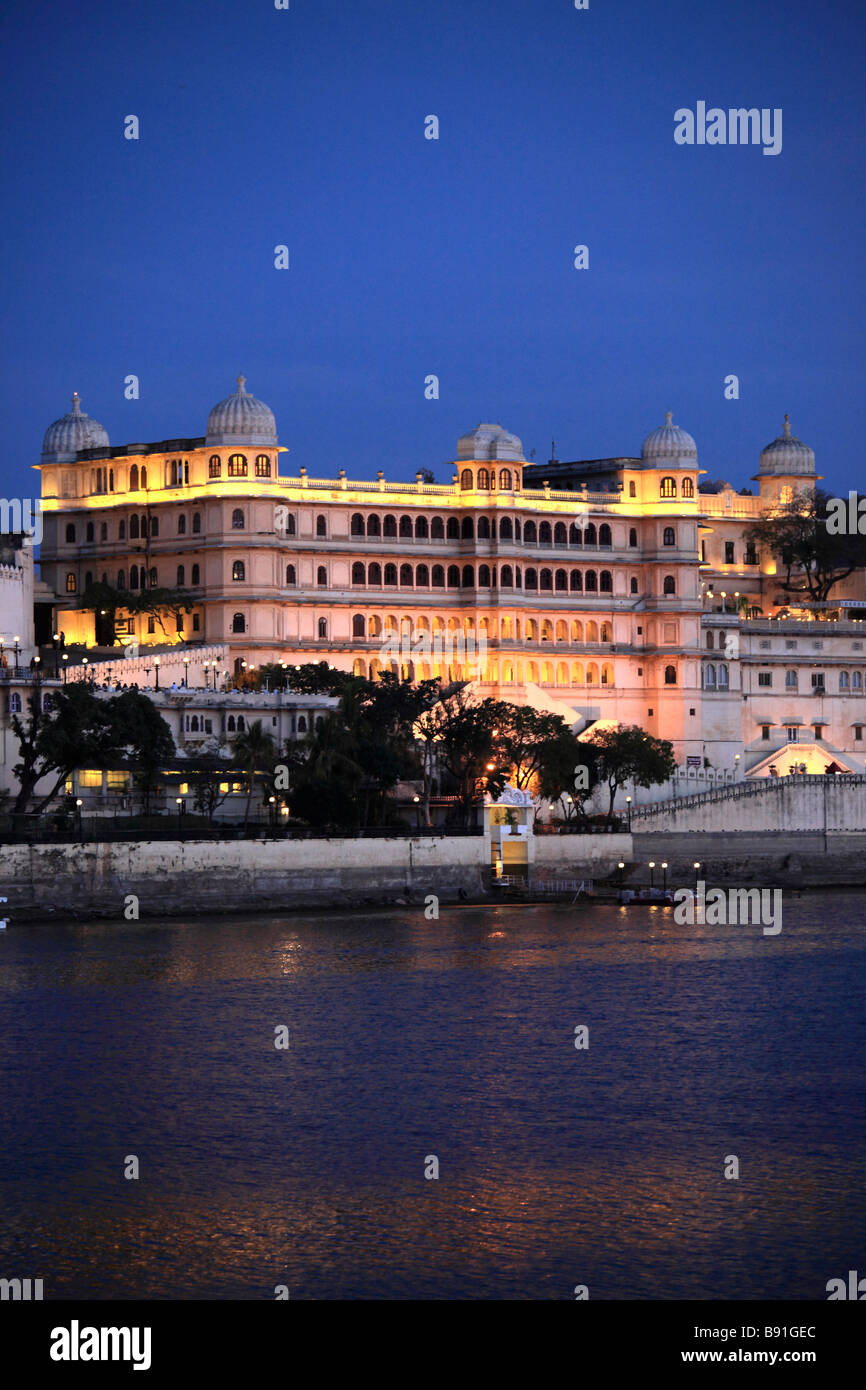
[798, 803]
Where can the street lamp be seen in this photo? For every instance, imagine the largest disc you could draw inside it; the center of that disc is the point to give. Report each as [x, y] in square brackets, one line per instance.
[621, 867]
[78, 805]
[272, 803]
[178, 801]
[84, 662]
[697, 868]
[665, 879]
[186, 671]
[55, 641]
[652, 865]
[736, 762]
[628, 807]
[156, 664]
[65, 658]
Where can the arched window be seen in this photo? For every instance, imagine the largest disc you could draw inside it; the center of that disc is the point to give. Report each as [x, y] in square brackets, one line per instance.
[632, 538]
[422, 530]
[466, 479]
[633, 585]
[374, 574]
[239, 570]
[121, 579]
[670, 675]
[133, 478]
[467, 529]
[605, 582]
[790, 680]
[239, 623]
[452, 530]
[670, 536]
[422, 577]
[591, 582]
[483, 480]
[359, 625]
[844, 682]
[391, 574]
[195, 577]
[374, 525]
[506, 577]
[530, 533]
[181, 525]
[406, 526]
[453, 577]
[544, 533]
[688, 488]
[241, 724]
[15, 703]
[632, 490]
[576, 582]
[506, 531]
[561, 581]
[560, 534]
[214, 466]
[710, 641]
[709, 676]
[143, 476]
[237, 465]
[237, 519]
[70, 533]
[483, 528]
[504, 478]
[302, 723]
[359, 576]
[604, 534]
[121, 531]
[574, 536]
[133, 576]
[407, 578]
[670, 586]
[263, 466]
[154, 526]
[856, 680]
[89, 533]
[358, 528]
[723, 677]
[389, 529]
[545, 579]
[531, 579]
[437, 529]
[154, 578]
[181, 576]
[230, 724]
[590, 535]
[668, 487]
[322, 576]
[321, 525]
[484, 576]
[468, 580]
[290, 575]
[438, 577]
[196, 523]
[322, 628]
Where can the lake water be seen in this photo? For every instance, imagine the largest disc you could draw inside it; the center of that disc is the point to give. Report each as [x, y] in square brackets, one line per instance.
[453, 1038]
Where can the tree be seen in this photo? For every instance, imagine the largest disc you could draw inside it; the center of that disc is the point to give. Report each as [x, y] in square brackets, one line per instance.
[254, 751]
[568, 773]
[69, 728]
[629, 753]
[157, 602]
[143, 734]
[813, 559]
[208, 797]
[462, 732]
[103, 601]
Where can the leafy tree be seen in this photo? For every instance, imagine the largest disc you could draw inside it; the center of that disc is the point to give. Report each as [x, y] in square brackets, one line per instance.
[144, 735]
[466, 747]
[71, 727]
[254, 751]
[568, 773]
[207, 796]
[629, 753]
[813, 559]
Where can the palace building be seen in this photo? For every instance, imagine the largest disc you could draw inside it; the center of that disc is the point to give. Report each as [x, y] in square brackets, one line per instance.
[609, 589]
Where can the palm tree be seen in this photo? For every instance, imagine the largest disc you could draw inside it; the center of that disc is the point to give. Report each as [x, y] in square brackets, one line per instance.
[254, 751]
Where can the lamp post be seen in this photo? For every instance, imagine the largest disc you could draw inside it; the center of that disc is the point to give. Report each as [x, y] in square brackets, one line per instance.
[186, 671]
[84, 662]
[156, 665]
[78, 805]
[65, 658]
[621, 867]
[55, 642]
[736, 764]
[628, 807]
[205, 668]
[665, 878]
[652, 866]
[17, 650]
[417, 803]
[272, 805]
[697, 868]
[178, 801]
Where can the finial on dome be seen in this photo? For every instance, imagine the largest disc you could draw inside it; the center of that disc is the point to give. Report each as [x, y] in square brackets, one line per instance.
[76, 403]
[787, 426]
[241, 381]
[669, 417]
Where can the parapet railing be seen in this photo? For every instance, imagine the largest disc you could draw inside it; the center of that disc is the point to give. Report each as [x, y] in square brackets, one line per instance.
[756, 787]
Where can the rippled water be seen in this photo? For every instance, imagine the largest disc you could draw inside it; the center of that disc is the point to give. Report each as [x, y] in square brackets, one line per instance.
[455, 1038]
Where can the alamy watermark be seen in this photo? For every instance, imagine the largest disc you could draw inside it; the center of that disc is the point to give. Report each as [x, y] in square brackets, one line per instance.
[846, 516]
[734, 907]
[21, 515]
[736, 126]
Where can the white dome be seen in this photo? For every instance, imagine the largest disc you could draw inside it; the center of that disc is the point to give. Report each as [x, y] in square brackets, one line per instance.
[670, 444]
[72, 432]
[787, 455]
[241, 419]
[490, 442]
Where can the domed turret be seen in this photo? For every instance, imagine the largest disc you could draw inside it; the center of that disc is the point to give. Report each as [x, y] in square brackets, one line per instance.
[490, 442]
[72, 432]
[787, 456]
[241, 419]
[669, 444]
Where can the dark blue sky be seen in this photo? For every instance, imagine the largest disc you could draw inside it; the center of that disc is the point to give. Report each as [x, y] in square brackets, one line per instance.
[454, 257]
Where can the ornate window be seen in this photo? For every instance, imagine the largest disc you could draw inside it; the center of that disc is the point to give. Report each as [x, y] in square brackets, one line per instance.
[358, 528]
[181, 525]
[484, 480]
[391, 574]
[437, 529]
[632, 490]
[322, 577]
[438, 577]
[407, 578]
[70, 583]
[237, 519]
[133, 478]
[670, 675]
[421, 528]
[605, 582]
[406, 526]
[633, 585]
[670, 586]
[322, 628]
[688, 489]
[237, 465]
[359, 576]
[195, 577]
[263, 466]
[133, 576]
[239, 570]
[591, 582]
[196, 522]
[466, 479]
[530, 533]
[467, 530]
[453, 577]
[483, 529]
[576, 582]
[290, 575]
[121, 531]
[422, 577]
[505, 478]
[604, 537]
[214, 466]
[505, 529]
[374, 574]
[154, 526]
[359, 625]
[670, 536]
[239, 623]
[452, 530]
[389, 528]
[544, 533]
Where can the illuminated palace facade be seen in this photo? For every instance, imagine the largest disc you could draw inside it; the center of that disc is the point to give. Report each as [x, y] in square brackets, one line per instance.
[593, 589]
